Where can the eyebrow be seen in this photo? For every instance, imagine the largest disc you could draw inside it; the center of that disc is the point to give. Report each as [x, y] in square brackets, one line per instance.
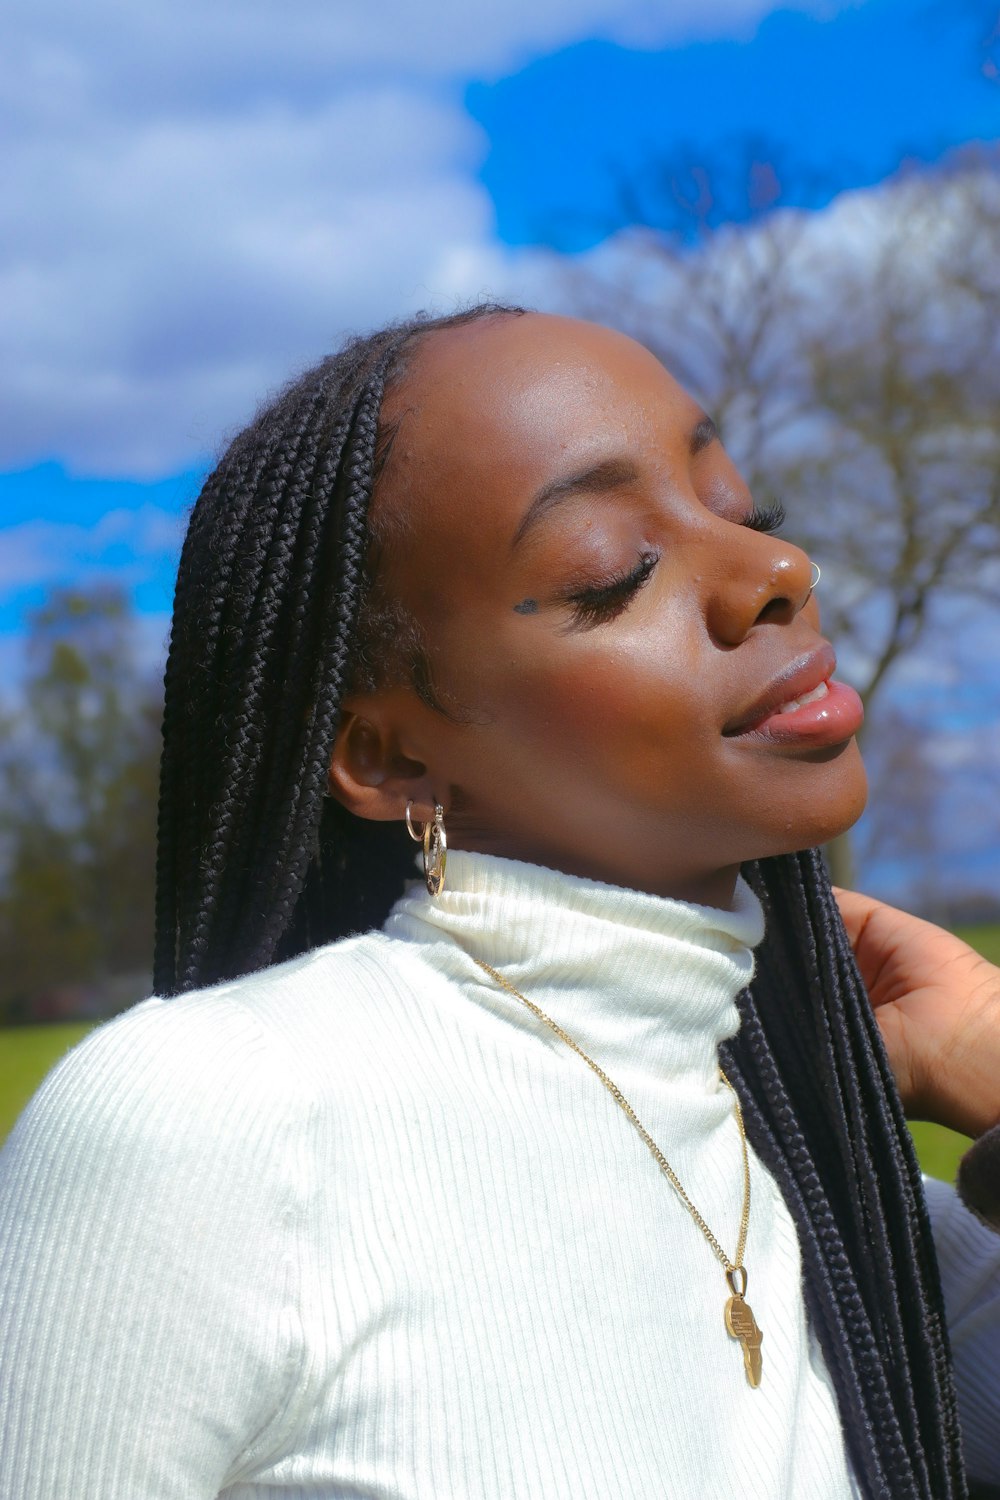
[600, 478]
[603, 478]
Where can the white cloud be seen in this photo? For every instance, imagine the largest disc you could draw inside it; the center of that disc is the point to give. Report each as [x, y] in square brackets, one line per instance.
[167, 51]
[154, 296]
[199, 199]
[125, 545]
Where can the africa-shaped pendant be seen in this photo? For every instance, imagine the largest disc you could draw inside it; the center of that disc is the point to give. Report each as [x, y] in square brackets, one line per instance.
[742, 1325]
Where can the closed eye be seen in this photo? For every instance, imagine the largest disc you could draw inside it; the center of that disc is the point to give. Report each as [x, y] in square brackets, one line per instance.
[598, 604]
[767, 518]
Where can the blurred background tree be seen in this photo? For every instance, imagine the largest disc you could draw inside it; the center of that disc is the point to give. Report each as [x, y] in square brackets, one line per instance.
[78, 779]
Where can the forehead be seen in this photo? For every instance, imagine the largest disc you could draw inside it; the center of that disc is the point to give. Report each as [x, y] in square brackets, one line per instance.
[501, 406]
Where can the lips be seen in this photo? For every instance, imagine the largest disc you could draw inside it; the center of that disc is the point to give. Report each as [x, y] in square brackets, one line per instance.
[802, 703]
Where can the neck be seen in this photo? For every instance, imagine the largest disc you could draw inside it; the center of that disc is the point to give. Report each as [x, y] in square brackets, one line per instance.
[701, 888]
[646, 985]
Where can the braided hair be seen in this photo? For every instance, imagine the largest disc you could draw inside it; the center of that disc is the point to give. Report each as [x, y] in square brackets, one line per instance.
[278, 613]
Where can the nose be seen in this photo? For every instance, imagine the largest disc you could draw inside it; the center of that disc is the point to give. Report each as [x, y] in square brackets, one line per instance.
[765, 581]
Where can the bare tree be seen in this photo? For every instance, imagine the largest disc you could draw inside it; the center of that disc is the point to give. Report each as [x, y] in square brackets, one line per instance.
[712, 298]
[897, 482]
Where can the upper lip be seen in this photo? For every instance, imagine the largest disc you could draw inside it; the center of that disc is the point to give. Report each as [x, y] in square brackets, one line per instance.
[800, 677]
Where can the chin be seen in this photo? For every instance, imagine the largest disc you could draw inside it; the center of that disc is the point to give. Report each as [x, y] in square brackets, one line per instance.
[844, 801]
[823, 808]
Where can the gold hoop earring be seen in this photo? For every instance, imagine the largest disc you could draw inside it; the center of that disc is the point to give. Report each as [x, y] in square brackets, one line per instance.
[435, 842]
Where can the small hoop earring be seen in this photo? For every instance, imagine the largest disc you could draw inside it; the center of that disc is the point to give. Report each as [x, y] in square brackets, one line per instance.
[817, 574]
[435, 842]
[435, 852]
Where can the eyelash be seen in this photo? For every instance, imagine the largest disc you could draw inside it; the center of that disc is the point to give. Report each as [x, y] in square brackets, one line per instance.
[596, 606]
[767, 518]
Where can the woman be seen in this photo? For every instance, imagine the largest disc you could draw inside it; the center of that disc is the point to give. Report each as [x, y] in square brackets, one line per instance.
[365, 1223]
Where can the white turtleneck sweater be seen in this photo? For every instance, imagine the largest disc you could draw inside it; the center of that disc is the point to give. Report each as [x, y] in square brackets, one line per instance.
[361, 1226]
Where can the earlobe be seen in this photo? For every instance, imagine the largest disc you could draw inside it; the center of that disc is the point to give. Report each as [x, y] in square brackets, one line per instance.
[369, 774]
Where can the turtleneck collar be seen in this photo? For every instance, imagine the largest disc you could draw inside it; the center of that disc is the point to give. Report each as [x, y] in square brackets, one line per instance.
[647, 985]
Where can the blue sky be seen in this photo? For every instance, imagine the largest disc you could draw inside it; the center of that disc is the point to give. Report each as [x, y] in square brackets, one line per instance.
[66, 529]
[834, 101]
[202, 200]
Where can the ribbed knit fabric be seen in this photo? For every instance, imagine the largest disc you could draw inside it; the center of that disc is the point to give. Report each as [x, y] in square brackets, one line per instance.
[969, 1256]
[360, 1225]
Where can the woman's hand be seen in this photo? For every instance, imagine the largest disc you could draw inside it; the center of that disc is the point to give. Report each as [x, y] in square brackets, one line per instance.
[937, 1003]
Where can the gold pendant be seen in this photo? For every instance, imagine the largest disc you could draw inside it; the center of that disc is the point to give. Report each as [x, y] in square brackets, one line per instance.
[742, 1325]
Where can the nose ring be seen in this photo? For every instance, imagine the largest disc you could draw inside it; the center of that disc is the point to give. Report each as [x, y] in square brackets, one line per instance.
[816, 576]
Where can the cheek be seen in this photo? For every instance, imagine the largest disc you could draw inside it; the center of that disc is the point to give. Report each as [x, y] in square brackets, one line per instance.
[632, 707]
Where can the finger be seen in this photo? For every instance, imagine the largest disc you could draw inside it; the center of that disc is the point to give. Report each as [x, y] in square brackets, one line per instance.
[857, 910]
[877, 932]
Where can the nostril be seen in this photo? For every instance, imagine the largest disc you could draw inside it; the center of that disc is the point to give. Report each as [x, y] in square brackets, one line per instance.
[775, 610]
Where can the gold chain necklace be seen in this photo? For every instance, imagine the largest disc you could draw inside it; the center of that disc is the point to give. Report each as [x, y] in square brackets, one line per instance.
[740, 1321]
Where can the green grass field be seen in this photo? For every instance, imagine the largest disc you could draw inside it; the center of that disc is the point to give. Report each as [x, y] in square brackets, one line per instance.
[986, 940]
[28, 1052]
[26, 1055]
[939, 1149]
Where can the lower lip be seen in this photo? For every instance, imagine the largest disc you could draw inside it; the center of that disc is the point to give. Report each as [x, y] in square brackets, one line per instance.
[829, 721]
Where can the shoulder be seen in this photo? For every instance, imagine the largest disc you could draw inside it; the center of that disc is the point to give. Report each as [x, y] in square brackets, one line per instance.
[166, 1104]
[185, 1133]
[158, 1237]
[232, 1064]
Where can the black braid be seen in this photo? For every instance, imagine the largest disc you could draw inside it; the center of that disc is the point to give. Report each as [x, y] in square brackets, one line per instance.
[823, 1113]
[272, 584]
[278, 612]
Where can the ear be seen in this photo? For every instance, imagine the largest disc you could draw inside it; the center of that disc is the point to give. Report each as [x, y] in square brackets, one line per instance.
[370, 772]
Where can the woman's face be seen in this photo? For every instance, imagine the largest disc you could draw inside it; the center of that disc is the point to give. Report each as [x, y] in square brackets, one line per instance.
[614, 642]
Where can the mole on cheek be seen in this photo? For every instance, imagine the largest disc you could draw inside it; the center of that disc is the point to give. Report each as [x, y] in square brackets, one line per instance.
[526, 607]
